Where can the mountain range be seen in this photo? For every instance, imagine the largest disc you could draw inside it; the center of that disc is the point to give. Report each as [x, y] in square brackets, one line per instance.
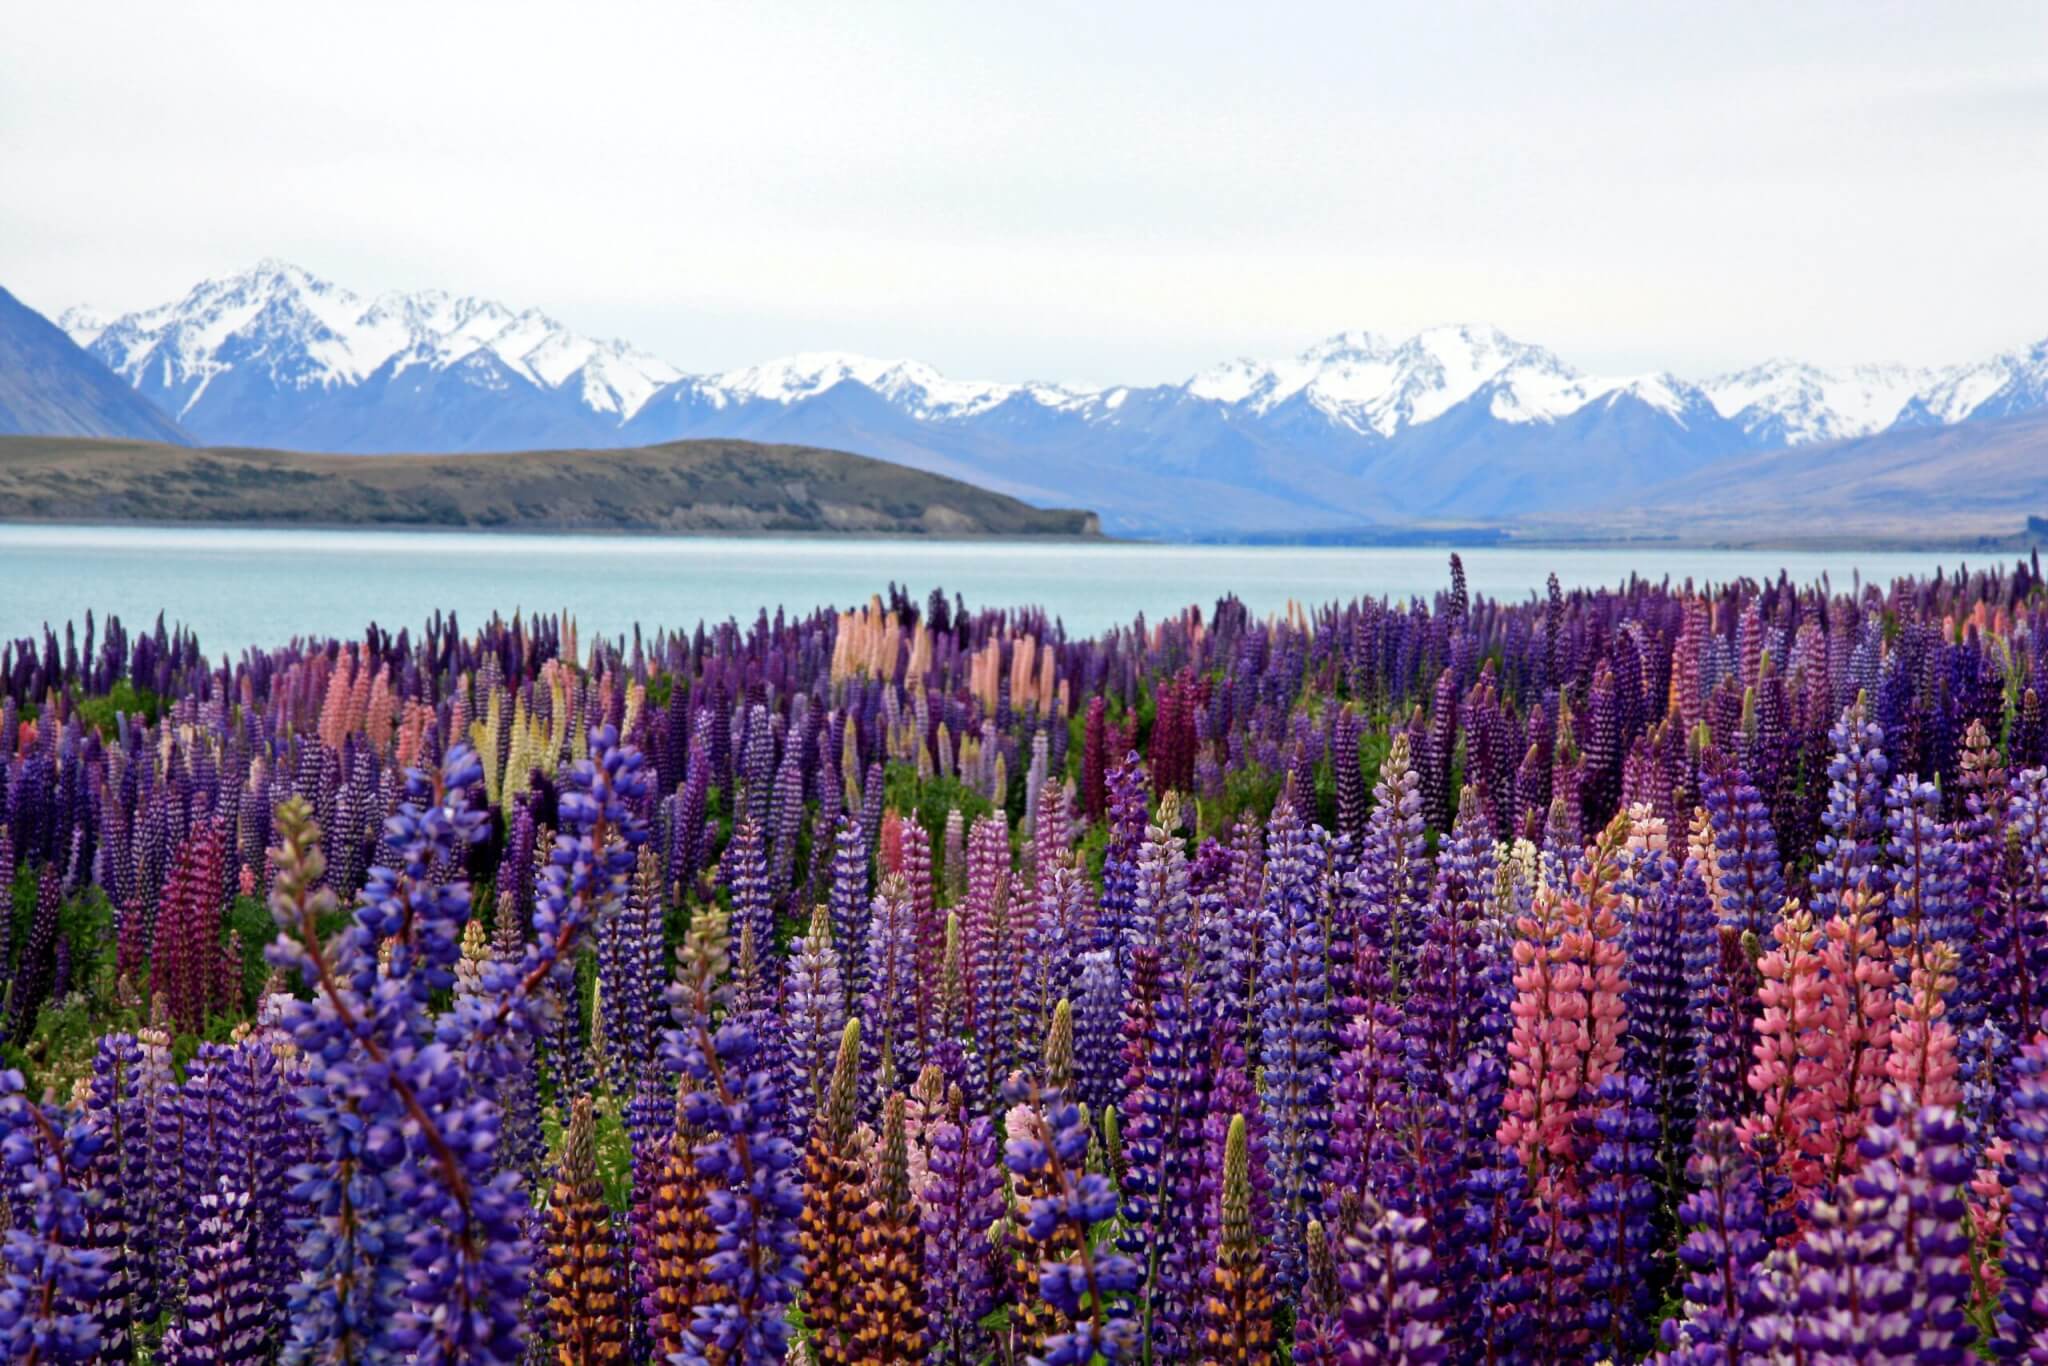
[1453, 424]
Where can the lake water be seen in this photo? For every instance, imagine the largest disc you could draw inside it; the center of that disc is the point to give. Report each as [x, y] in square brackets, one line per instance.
[240, 587]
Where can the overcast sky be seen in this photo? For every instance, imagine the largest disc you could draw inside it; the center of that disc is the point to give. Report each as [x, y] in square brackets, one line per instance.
[1085, 192]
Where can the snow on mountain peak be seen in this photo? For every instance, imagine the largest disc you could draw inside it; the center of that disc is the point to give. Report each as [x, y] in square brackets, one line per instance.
[1797, 403]
[82, 324]
[306, 332]
[912, 385]
[1372, 383]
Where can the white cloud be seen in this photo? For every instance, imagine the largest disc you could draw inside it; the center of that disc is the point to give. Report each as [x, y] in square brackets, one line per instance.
[1131, 191]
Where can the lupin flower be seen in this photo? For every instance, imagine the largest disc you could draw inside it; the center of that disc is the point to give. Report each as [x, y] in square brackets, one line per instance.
[1926, 899]
[1098, 1018]
[352, 1268]
[745, 869]
[50, 1278]
[467, 1265]
[1237, 1304]
[1854, 818]
[1088, 1288]
[586, 1301]
[224, 1318]
[36, 974]
[1920, 1154]
[1116, 928]
[829, 1228]
[1168, 1086]
[1347, 776]
[755, 1198]
[1725, 1001]
[1726, 1238]
[888, 1005]
[888, 1320]
[1921, 1058]
[673, 1244]
[1883, 1272]
[1625, 1255]
[1318, 1326]
[1659, 1042]
[2023, 1303]
[785, 819]
[118, 1214]
[962, 1199]
[1441, 1017]
[688, 851]
[266, 1135]
[849, 903]
[1094, 769]
[1856, 1033]
[1390, 884]
[1295, 1036]
[1161, 912]
[630, 961]
[989, 950]
[1390, 1305]
[1370, 1099]
[815, 1012]
[1568, 1014]
[1500, 1250]
[1747, 884]
[1822, 1041]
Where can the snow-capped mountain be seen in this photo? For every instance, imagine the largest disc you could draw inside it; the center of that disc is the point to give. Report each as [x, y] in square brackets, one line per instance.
[1373, 384]
[1456, 422]
[277, 355]
[1789, 403]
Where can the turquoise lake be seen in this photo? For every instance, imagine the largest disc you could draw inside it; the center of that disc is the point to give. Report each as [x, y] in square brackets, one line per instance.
[240, 587]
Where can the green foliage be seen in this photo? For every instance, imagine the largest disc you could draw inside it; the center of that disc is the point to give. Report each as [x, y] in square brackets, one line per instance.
[1147, 711]
[614, 1148]
[927, 801]
[1322, 803]
[1094, 847]
[23, 907]
[661, 686]
[1017, 779]
[1252, 789]
[87, 920]
[97, 713]
[59, 1053]
[251, 919]
[1077, 742]
[1373, 748]
[66, 1031]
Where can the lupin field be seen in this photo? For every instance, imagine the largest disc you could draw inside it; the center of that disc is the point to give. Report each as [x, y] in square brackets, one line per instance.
[1651, 973]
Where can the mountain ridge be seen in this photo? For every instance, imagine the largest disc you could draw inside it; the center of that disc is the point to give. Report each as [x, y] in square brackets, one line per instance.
[1359, 425]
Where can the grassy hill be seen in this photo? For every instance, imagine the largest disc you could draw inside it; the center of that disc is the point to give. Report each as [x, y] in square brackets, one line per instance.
[685, 486]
